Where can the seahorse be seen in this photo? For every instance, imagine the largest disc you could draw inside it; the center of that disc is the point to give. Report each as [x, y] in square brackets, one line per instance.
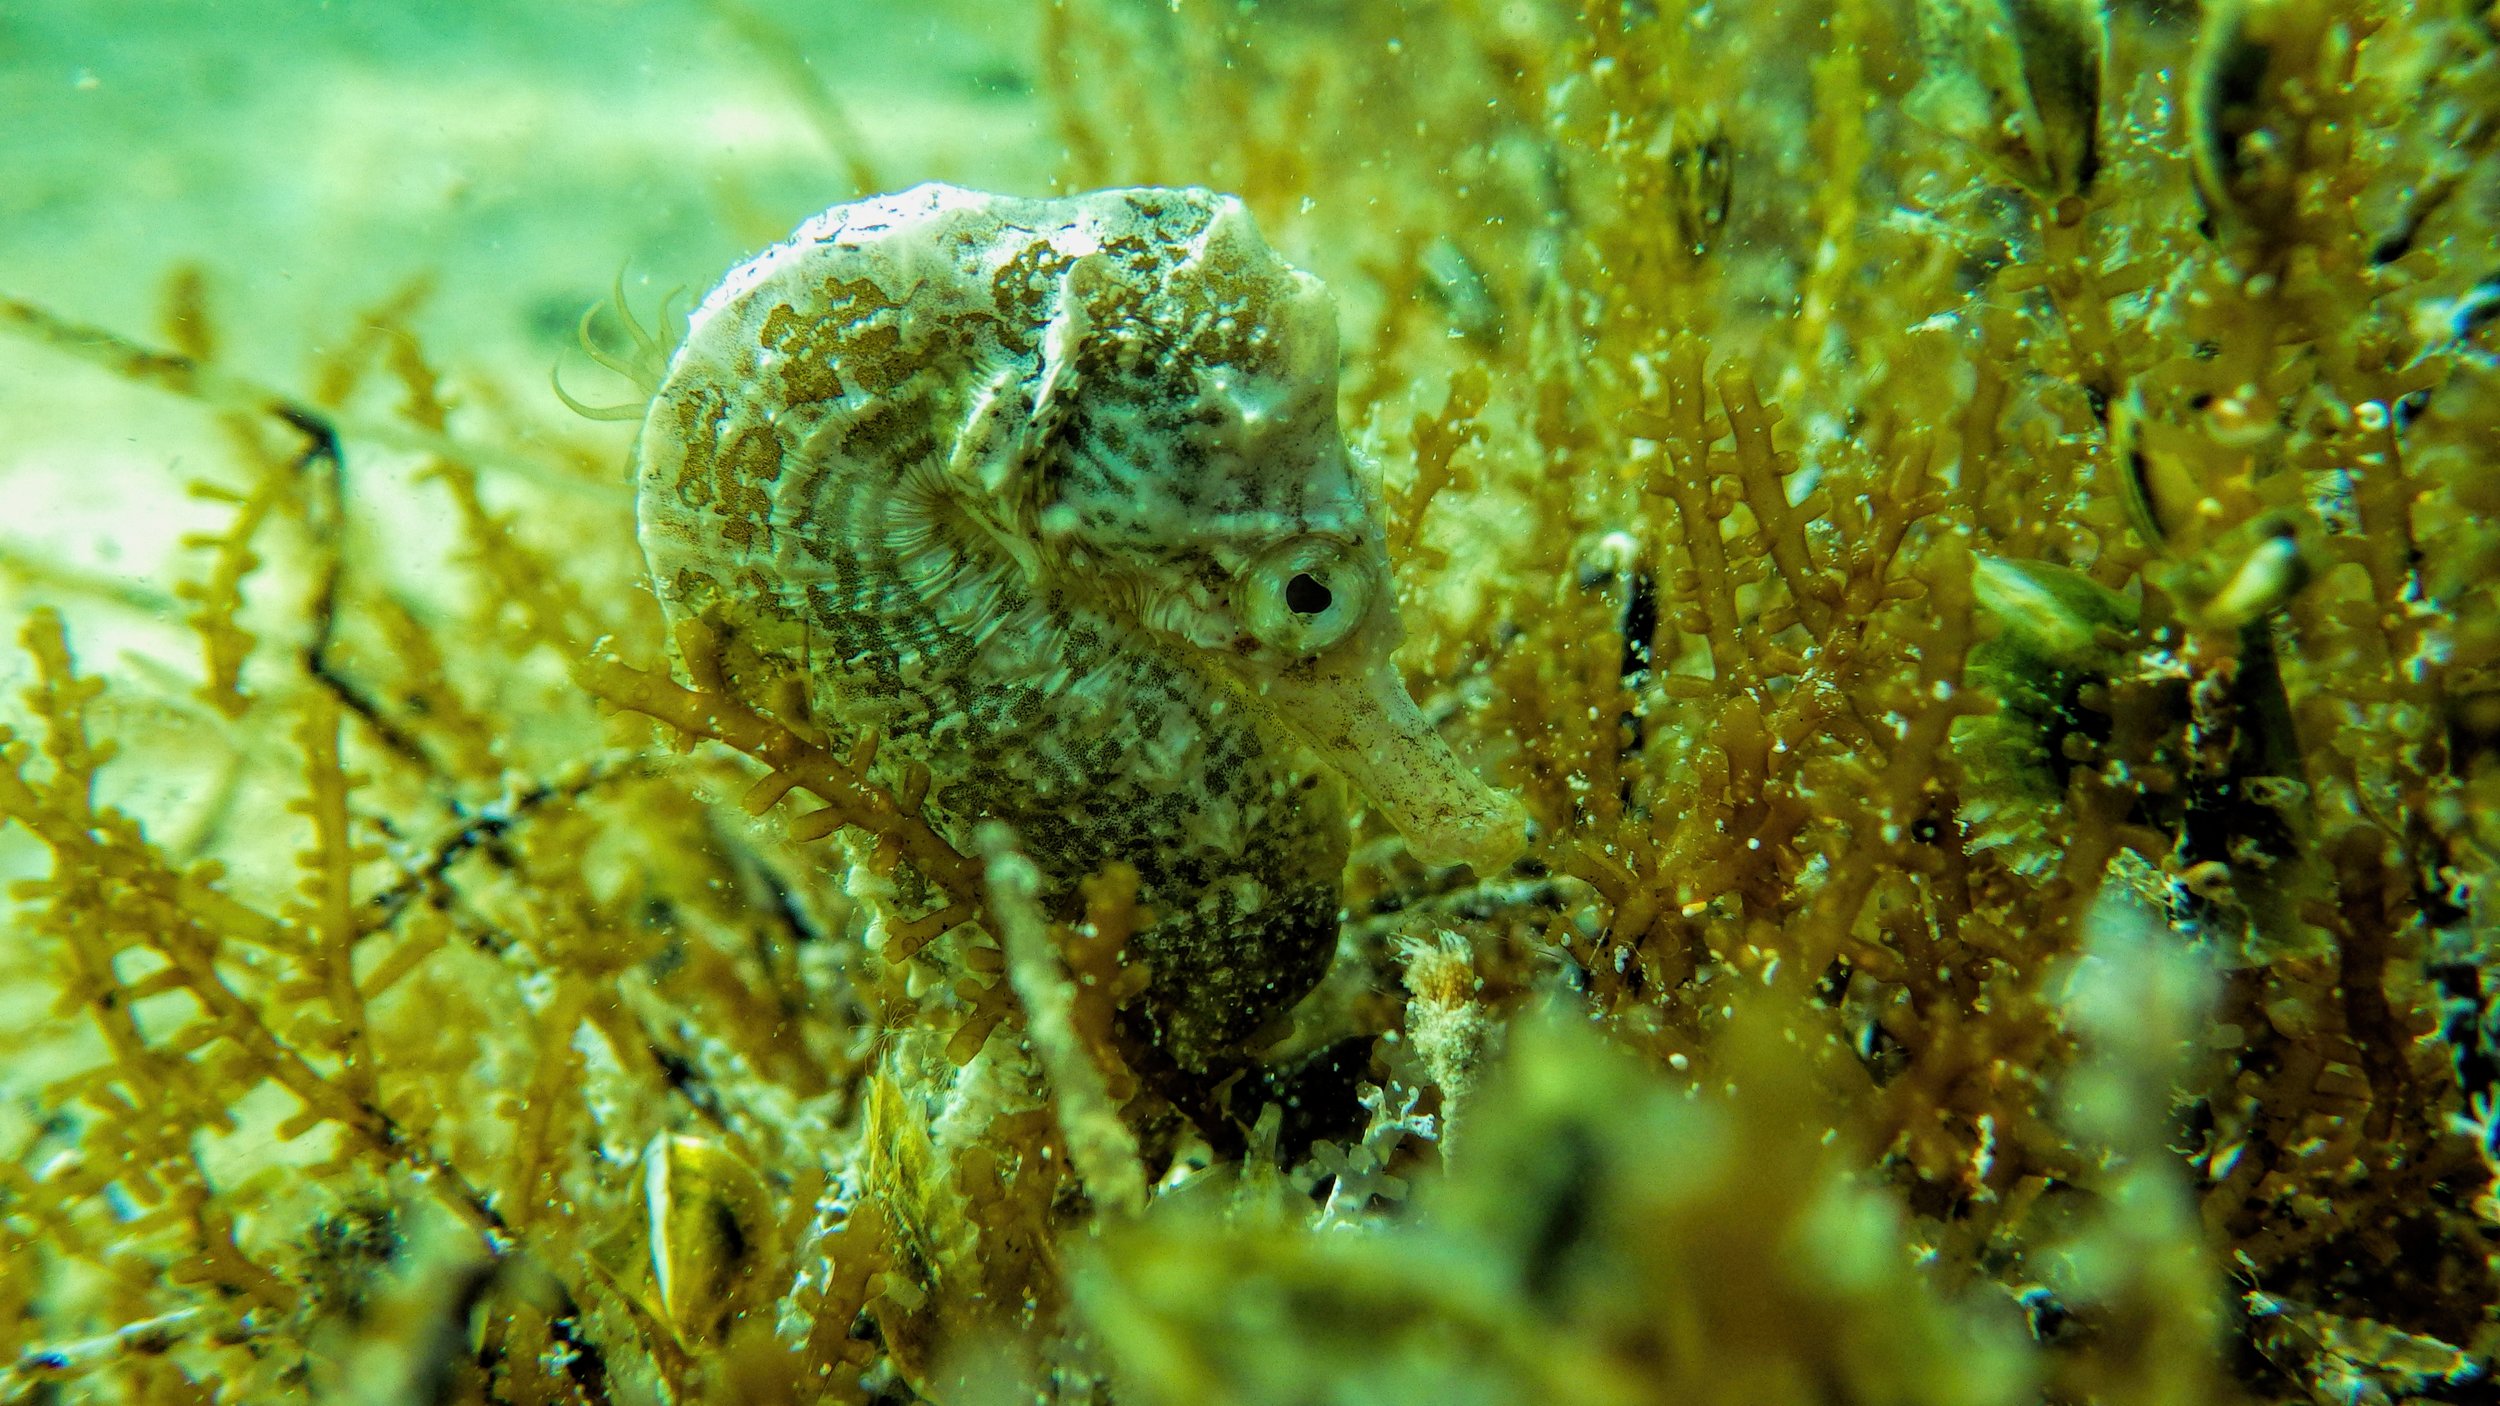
[1050, 496]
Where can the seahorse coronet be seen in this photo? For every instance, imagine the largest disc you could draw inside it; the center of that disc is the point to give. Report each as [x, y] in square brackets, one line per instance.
[1050, 493]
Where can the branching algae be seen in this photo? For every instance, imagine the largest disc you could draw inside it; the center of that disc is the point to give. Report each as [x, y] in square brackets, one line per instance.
[1968, 527]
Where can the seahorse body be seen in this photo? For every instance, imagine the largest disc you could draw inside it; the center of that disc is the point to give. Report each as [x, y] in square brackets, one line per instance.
[1051, 495]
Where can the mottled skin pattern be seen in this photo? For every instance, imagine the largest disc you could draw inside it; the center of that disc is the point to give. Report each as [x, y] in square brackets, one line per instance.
[992, 474]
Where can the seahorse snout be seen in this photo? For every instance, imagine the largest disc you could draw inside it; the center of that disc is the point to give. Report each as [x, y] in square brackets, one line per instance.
[1351, 706]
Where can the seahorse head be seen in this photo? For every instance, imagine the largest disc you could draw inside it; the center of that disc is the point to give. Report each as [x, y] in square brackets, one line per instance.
[1191, 473]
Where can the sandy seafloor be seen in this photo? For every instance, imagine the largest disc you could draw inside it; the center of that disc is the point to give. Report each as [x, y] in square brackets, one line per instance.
[313, 160]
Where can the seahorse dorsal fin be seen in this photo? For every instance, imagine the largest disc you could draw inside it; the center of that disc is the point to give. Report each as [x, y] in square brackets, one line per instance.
[1015, 417]
[988, 450]
[989, 469]
[1055, 382]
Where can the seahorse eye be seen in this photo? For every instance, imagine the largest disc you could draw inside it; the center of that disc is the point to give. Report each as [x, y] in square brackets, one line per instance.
[1306, 595]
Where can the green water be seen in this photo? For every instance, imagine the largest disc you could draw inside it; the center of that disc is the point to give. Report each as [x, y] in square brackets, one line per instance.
[318, 157]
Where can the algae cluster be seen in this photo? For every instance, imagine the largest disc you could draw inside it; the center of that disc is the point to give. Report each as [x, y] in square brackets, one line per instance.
[1971, 525]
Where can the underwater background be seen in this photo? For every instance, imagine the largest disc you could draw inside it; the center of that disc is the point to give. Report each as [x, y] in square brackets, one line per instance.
[1969, 526]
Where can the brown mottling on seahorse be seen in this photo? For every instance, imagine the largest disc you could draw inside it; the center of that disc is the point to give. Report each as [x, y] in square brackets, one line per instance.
[744, 475]
[808, 347]
[699, 417]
